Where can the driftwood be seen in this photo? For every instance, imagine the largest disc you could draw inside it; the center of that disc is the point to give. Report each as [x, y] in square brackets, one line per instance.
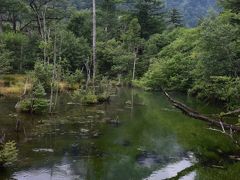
[194, 114]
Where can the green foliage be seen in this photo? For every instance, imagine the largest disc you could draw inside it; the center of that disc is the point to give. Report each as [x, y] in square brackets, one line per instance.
[5, 59]
[192, 11]
[175, 18]
[76, 51]
[16, 43]
[131, 37]
[43, 74]
[24, 105]
[203, 60]
[74, 78]
[150, 17]
[220, 88]
[86, 97]
[38, 91]
[219, 46]
[8, 153]
[233, 5]
[172, 68]
[36, 102]
[40, 105]
[80, 24]
[113, 59]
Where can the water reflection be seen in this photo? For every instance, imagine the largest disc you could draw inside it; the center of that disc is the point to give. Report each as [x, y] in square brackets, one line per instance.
[190, 176]
[65, 170]
[151, 141]
[171, 170]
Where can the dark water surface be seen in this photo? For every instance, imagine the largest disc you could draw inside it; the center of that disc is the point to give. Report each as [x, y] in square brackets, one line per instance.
[148, 139]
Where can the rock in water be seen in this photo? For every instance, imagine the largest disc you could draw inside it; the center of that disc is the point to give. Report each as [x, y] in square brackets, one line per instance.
[43, 150]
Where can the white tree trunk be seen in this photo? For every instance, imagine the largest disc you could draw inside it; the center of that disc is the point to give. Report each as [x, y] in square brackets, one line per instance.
[1, 25]
[134, 66]
[94, 41]
[53, 74]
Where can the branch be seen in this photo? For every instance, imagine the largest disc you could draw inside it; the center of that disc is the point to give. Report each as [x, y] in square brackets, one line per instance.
[192, 113]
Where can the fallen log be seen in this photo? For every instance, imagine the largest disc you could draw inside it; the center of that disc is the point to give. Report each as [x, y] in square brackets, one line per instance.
[194, 114]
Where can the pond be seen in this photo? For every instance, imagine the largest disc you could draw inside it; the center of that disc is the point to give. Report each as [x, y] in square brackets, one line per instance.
[138, 135]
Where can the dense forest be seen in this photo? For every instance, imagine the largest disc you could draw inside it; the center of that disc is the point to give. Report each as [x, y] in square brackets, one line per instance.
[84, 47]
[144, 42]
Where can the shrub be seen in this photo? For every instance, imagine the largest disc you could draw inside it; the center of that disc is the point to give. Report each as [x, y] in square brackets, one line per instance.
[8, 153]
[74, 79]
[36, 103]
[43, 74]
[218, 88]
[85, 97]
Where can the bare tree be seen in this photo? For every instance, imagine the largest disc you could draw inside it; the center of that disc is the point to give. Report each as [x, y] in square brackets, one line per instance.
[94, 40]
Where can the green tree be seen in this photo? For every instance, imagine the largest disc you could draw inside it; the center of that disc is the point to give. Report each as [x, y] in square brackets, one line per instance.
[175, 18]
[114, 60]
[5, 59]
[150, 16]
[13, 12]
[133, 42]
[80, 24]
[219, 46]
[16, 43]
[172, 67]
[234, 5]
[74, 51]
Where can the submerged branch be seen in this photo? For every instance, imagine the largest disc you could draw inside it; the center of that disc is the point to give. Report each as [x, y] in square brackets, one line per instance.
[184, 172]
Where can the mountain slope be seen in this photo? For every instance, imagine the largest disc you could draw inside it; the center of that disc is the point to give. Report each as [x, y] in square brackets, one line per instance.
[192, 10]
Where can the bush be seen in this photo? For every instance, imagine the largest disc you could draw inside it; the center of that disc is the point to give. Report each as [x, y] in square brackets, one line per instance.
[218, 88]
[172, 68]
[8, 153]
[40, 105]
[24, 105]
[43, 74]
[74, 79]
[36, 103]
[85, 97]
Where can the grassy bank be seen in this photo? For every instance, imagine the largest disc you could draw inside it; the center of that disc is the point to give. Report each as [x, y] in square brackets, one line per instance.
[12, 84]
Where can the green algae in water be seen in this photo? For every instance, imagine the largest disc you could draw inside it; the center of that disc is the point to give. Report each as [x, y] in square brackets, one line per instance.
[153, 141]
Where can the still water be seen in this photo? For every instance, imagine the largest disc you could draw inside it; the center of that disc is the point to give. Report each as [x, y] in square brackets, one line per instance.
[145, 138]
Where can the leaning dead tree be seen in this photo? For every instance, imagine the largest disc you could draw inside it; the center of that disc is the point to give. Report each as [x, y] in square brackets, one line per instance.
[194, 114]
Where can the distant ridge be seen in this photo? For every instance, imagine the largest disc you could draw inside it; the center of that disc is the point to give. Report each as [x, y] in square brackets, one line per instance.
[192, 10]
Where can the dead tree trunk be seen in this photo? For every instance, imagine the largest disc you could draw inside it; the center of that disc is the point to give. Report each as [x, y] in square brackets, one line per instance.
[88, 71]
[53, 74]
[18, 123]
[192, 113]
[1, 25]
[134, 66]
[94, 41]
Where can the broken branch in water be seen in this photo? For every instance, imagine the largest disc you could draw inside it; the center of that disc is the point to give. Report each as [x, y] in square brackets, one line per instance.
[192, 113]
[231, 113]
